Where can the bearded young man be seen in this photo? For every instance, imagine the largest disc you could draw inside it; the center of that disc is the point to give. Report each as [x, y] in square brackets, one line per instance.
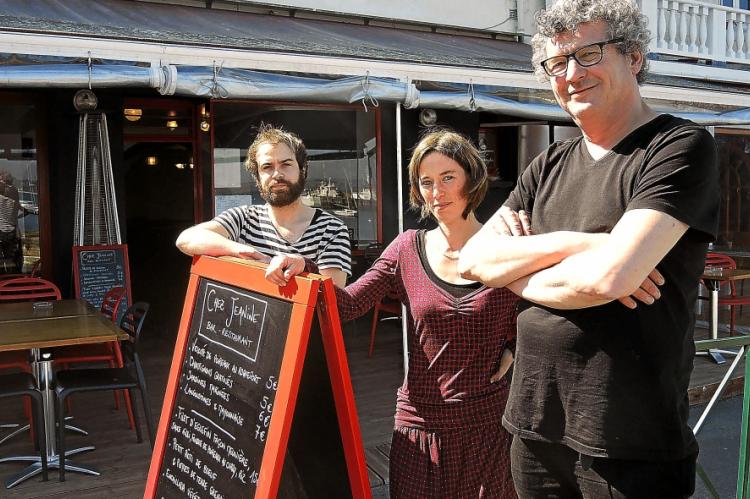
[622, 217]
[277, 160]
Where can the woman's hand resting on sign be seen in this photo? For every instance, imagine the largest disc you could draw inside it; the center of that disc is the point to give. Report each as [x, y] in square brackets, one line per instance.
[284, 267]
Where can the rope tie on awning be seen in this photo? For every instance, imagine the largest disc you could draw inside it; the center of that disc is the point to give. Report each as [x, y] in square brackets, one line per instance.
[472, 98]
[90, 68]
[366, 91]
[213, 86]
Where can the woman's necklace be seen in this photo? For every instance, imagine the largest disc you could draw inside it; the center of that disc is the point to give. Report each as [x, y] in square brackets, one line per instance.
[449, 253]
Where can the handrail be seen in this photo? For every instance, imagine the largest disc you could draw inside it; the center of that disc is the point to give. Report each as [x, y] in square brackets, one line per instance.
[743, 472]
[722, 343]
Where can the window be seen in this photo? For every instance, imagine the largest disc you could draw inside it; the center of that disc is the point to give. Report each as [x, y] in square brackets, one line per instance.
[734, 183]
[341, 144]
[19, 189]
[737, 4]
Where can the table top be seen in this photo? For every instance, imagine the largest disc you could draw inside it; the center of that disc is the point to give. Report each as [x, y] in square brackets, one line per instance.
[57, 332]
[715, 274]
[25, 311]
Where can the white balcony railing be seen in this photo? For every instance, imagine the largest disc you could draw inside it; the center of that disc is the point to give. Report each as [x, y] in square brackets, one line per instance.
[698, 30]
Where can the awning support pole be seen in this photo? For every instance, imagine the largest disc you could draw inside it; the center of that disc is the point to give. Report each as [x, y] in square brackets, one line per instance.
[400, 190]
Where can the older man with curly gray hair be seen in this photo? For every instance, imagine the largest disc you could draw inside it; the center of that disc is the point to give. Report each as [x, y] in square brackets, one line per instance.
[622, 217]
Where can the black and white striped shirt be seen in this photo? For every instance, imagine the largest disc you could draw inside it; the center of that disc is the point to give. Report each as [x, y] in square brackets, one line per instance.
[325, 241]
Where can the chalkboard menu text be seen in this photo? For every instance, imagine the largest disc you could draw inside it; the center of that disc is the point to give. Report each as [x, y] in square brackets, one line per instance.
[97, 269]
[256, 405]
[228, 384]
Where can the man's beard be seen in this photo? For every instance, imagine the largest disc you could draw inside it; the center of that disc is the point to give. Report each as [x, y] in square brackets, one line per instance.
[283, 197]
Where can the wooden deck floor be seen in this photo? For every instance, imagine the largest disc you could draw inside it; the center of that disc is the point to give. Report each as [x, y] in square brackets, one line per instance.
[124, 463]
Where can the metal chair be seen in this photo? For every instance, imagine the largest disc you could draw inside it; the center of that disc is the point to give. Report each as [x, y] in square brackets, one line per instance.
[24, 384]
[100, 352]
[733, 299]
[71, 381]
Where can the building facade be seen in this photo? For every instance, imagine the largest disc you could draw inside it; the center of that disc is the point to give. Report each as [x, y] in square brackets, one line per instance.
[183, 84]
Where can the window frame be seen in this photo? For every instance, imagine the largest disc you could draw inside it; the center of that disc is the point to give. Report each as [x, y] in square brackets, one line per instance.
[308, 106]
[39, 102]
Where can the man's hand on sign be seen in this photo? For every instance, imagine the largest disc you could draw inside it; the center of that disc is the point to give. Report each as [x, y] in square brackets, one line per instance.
[250, 253]
[648, 292]
[284, 267]
[507, 222]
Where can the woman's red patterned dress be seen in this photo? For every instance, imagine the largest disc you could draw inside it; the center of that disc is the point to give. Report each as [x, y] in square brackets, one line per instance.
[448, 440]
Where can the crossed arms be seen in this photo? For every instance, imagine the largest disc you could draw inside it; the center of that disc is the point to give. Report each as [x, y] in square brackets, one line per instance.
[570, 270]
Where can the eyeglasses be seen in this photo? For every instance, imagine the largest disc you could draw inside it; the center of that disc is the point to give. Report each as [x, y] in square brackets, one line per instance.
[589, 55]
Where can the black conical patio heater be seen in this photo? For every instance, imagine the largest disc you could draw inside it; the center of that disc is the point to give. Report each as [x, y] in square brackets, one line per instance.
[96, 220]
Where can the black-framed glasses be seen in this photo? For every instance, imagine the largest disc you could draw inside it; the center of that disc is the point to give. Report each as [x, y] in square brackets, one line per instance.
[589, 55]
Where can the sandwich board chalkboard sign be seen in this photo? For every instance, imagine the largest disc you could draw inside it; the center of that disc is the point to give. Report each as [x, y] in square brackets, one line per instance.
[97, 269]
[259, 402]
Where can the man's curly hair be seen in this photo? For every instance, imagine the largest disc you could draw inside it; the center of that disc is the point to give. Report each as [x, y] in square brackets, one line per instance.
[623, 17]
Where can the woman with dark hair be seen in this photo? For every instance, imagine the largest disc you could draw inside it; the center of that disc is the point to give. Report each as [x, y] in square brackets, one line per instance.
[448, 440]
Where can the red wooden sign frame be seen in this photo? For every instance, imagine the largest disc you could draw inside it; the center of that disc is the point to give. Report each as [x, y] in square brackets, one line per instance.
[76, 270]
[303, 293]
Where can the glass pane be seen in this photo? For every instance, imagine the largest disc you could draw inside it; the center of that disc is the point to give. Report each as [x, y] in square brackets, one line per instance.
[734, 182]
[19, 194]
[341, 146]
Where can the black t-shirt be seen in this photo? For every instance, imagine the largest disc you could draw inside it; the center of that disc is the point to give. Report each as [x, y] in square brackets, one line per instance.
[608, 380]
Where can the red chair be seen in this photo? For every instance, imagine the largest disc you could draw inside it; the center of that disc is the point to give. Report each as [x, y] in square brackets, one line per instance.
[100, 352]
[733, 300]
[388, 305]
[23, 289]
[28, 289]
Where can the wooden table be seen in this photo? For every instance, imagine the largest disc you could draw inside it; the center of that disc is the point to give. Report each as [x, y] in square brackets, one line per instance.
[67, 322]
[25, 311]
[713, 278]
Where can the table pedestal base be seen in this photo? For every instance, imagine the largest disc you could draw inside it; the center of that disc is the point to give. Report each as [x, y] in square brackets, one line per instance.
[53, 463]
[17, 431]
[20, 429]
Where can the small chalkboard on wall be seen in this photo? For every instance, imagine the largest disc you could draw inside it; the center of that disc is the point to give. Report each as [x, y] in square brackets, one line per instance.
[259, 400]
[97, 269]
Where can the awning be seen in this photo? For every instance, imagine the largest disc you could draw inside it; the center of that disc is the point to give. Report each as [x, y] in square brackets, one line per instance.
[231, 83]
[731, 118]
[473, 102]
[80, 76]
[245, 84]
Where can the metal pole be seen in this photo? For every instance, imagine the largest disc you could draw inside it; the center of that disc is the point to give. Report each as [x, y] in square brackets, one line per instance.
[743, 465]
[718, 391]
[400, 191]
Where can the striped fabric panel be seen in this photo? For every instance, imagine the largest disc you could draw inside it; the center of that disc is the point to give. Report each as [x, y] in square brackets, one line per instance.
[325, 241]
[8, 214]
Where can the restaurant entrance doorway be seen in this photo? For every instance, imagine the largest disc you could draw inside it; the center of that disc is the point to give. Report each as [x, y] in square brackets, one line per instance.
[158, 152]
[159, 205]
